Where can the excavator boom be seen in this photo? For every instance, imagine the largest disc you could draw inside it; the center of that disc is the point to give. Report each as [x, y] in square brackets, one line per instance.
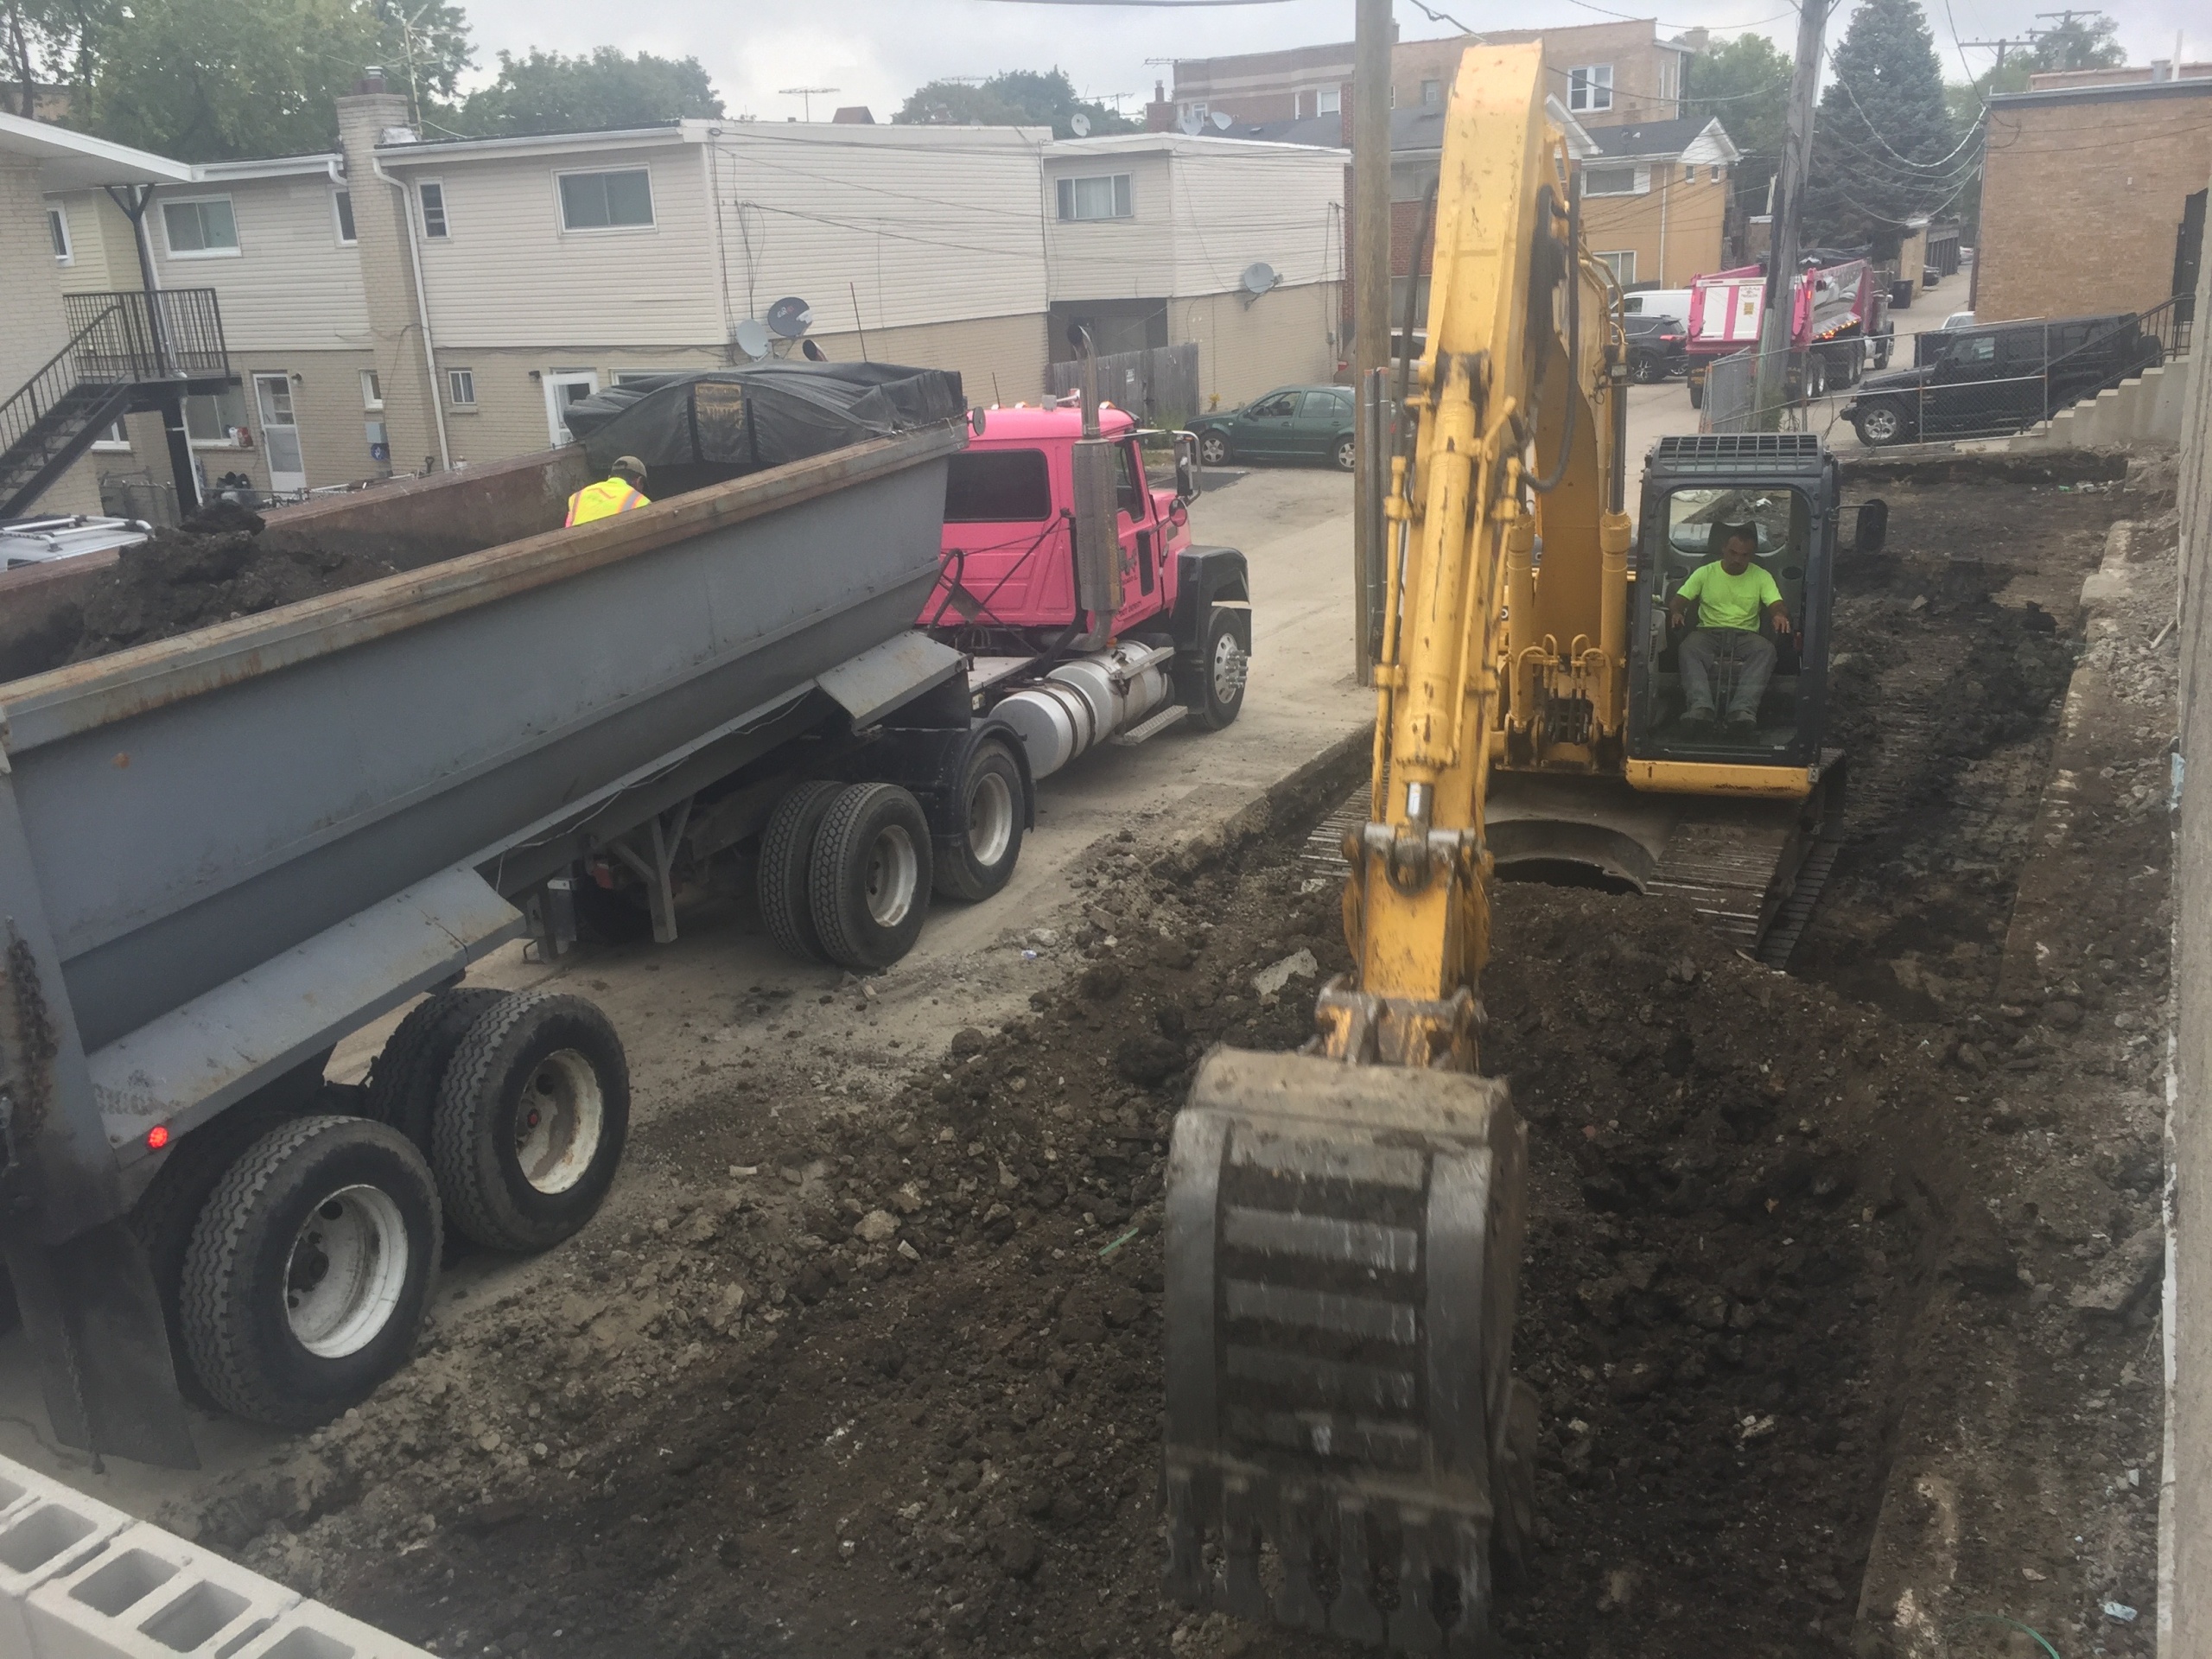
[1344, 1439]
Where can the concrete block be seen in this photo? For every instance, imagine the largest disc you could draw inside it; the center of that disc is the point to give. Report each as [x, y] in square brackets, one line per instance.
[47, 1531]
[312, 1631]
[149, 1595]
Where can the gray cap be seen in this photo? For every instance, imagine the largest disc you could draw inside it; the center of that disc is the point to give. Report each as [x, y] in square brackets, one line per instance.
[629, 464]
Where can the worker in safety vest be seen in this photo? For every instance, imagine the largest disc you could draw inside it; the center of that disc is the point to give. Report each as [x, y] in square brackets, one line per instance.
[620, 491]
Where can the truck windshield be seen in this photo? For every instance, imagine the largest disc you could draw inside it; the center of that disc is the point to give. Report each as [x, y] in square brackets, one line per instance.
[997, 486]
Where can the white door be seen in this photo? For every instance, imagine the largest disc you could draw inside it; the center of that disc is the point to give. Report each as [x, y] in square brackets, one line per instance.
[280, 432]
[562, 388]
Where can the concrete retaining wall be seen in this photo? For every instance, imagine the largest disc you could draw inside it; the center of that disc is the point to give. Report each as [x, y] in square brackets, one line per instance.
[2148, 409]
[2186, 1535]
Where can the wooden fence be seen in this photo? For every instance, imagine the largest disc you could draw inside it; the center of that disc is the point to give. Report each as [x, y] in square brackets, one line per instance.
[1156, 384]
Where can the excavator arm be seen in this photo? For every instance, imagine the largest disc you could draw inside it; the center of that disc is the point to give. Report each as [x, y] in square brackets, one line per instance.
[1345, 1442]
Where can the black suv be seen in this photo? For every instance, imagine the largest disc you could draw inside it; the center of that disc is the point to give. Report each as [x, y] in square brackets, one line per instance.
[1999, 377]
[1657, 348]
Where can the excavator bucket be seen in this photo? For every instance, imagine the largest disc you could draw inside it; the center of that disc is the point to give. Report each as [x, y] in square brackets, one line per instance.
[1345, 1435]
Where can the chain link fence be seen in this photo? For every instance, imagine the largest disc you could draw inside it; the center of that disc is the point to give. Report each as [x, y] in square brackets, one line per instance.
[1987, 381]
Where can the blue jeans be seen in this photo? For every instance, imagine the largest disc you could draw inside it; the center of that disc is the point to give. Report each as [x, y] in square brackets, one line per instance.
[1703, 653]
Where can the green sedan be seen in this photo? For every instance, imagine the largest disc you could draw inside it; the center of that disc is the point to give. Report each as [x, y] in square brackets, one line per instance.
[1290, 423]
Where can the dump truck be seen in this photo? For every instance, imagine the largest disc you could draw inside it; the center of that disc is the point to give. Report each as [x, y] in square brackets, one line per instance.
[1839, 328]
[223, 852]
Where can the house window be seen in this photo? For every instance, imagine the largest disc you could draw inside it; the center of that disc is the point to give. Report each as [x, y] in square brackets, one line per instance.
[201, 228]
[1609, 182]
[1330, 100]
[1670, 70]
[57, 226]
[1716, 174]
[343, 201]
[607, 201]
[1590, 87]
[1104, 196]
[1431, 91]
[460, 385]
[1622, 265]
[632, 377]
[211, 418]
[372, 390]
[433, 197]
[114, 437]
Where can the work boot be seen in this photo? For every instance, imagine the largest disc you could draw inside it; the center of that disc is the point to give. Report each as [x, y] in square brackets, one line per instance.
[1697, 724]
[1742, 725]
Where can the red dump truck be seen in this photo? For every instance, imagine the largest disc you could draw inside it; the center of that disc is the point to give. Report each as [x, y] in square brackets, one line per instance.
[1839, 328]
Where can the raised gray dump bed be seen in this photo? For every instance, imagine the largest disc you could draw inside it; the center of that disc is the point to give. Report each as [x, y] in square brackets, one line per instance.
[221, 853]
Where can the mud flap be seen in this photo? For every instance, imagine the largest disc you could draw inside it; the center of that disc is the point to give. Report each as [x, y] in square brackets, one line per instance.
[1342, 1245]
[94, 1320]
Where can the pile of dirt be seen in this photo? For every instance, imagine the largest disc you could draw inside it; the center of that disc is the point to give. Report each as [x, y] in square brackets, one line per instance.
[215, 567]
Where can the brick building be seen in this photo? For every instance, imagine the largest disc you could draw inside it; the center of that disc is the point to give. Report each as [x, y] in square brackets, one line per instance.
[2093, 193]
[1604, 75]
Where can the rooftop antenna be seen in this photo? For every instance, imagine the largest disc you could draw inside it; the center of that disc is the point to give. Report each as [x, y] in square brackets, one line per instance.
[806, 95]
[1079, 124]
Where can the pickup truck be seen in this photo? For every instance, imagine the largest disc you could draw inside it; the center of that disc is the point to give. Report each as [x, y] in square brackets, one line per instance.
[1981, 379]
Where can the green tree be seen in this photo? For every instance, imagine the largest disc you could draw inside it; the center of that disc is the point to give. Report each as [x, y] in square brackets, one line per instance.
[1745, 83]
[2080, 41]
[1883, 146]
[547, 92]
[49, 43]
[206, 80]
[1018, 97]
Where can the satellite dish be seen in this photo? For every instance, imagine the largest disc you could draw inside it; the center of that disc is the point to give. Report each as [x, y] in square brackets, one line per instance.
[1081, 123]
[751, 337]
[790, 317]
[1259, 277]
[1221, 120]
[1190, 124]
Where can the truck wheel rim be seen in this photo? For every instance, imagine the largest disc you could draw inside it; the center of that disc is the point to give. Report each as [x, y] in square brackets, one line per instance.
[1227, 669]
[346, 1273]
[558, 1122]
[1881, 424]
[892, 874]
[990, 819]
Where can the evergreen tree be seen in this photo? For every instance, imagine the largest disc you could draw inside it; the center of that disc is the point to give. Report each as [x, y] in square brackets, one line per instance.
[1745, 83]
[1018, 97]
[1883, 141]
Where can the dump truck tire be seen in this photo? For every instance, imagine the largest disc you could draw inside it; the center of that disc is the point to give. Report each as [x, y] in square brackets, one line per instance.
[309, 1269]
[872, 876]
[531, 1120]
[1212, 678]
[404, 1078]
[786, 866]
[988, 804]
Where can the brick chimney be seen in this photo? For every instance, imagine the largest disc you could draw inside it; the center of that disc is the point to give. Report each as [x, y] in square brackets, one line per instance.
[365, 118]
[1160, 114]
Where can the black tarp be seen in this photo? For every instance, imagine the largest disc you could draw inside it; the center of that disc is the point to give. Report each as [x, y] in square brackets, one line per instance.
[729, 422]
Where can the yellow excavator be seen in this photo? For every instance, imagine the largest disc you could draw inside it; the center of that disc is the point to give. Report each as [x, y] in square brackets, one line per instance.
[1346, 1446]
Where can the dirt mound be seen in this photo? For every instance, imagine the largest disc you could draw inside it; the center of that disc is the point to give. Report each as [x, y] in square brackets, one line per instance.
[215, 567]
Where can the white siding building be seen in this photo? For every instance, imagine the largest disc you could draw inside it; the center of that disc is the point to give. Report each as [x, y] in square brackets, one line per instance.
[1149, 238]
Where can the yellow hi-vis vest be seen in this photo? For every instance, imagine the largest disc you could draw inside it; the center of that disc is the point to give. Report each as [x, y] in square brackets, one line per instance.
[603, 500]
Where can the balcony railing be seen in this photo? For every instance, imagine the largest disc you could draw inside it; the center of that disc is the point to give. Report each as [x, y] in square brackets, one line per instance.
[176, 334]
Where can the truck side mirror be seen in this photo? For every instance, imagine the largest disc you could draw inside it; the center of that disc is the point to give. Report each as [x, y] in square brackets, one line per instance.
[1187, 471]
[1873, 531]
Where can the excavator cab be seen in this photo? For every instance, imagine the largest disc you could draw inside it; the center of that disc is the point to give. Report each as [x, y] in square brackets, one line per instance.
[1782, 484]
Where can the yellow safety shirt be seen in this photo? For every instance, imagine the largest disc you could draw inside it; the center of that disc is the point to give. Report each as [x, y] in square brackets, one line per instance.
[1726, 602]
[603, 500]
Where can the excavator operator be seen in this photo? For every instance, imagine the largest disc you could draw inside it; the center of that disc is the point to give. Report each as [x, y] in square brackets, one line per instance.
[621, 491]
[1730, 594]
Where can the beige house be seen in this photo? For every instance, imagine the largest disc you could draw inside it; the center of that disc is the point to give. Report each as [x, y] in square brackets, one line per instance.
[1158, 238]
[1603, 73]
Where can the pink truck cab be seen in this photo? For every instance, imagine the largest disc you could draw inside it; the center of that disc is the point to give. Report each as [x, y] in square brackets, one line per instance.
[1068, 649]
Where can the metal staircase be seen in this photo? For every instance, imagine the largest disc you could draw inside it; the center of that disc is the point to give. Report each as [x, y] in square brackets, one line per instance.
[126, 352]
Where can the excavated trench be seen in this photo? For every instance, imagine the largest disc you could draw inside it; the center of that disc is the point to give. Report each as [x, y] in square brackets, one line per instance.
[872, 1368]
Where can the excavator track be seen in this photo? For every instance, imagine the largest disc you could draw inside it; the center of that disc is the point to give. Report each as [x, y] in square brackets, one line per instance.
[1342, 1245]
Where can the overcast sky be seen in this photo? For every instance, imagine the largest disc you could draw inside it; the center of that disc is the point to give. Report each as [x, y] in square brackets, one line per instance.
[875, 52]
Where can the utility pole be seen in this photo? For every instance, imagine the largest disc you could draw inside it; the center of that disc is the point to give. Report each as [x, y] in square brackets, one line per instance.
[1774, 325]
[1370, 299]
